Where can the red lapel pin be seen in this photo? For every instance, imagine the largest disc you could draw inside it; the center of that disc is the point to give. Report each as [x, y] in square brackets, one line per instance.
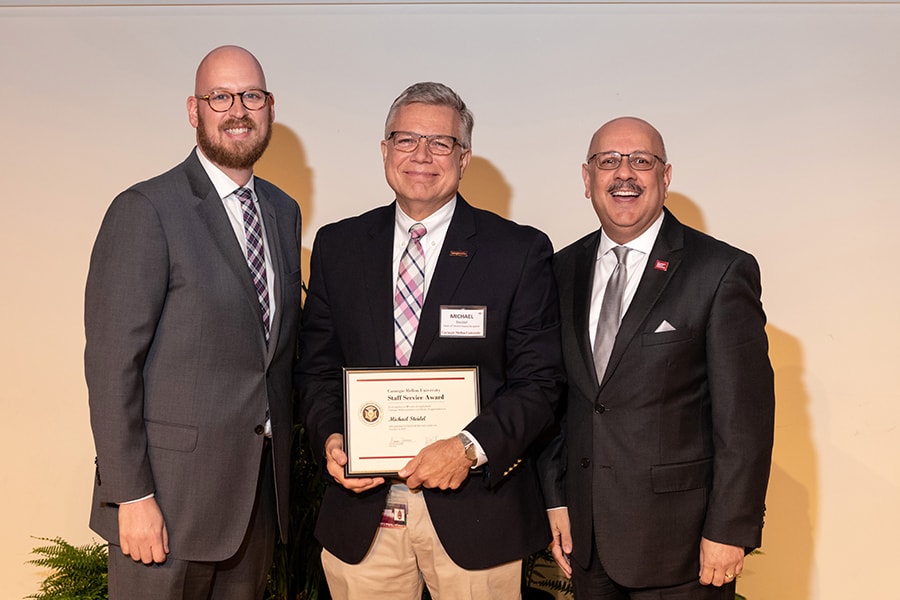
[661, 265]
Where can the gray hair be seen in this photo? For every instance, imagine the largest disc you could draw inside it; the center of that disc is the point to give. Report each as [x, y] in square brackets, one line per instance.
[436, 94]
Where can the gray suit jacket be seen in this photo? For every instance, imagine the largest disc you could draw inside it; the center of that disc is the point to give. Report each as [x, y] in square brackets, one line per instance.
[675, 443]
[178, 372]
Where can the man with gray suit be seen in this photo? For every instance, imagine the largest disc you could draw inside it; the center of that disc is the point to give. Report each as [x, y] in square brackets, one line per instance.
[191, 317]
[656, 487]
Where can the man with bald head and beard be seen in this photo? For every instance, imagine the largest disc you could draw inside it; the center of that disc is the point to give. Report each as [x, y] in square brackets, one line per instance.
[656, 486]
[191, 318]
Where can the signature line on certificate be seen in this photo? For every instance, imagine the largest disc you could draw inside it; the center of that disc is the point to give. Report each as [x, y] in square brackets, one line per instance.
[383, 457]
[413, 379]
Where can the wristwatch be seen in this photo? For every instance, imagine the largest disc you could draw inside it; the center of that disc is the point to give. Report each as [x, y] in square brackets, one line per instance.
[469, 445]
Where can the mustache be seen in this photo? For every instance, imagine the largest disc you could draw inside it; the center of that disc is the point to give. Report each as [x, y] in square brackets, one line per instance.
[626, 186]
[233, 123]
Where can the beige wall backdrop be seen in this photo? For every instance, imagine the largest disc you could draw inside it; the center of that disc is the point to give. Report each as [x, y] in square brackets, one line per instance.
[781, 121]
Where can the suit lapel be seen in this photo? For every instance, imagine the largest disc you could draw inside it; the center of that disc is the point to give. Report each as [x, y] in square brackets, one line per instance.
[585, 266]
[379, 282]
[273, 237]
[667, 249]
[454, 258]
[212, 213]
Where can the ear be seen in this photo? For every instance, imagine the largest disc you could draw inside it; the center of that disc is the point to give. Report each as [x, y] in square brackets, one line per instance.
[464, 161]
[667, 177]
[586, 176]
[271, 108]
[192, 109]
[384, 151]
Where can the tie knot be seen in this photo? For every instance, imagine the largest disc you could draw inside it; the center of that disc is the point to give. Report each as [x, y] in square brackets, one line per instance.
[244, 194]
[621, 252]
[417, 231]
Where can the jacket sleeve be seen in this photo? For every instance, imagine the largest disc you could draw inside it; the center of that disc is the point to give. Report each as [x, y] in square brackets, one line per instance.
[741, 388]
[124, 296]
[534, 375]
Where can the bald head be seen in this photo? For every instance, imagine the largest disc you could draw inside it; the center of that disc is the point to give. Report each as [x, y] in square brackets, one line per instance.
[605, 138]
[226, 65]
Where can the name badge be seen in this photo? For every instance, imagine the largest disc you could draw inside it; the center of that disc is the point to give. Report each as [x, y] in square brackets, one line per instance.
[463, 321]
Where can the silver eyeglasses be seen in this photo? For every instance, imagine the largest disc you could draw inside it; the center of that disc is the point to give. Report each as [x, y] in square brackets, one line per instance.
[639, 161]
[220, 100]
[408, 141]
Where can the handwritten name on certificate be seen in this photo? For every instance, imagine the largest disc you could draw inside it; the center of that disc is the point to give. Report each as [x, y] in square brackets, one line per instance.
[391, 414]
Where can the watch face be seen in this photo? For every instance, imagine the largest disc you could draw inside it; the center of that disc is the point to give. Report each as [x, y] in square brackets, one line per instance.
[469, 446]
[470, 452]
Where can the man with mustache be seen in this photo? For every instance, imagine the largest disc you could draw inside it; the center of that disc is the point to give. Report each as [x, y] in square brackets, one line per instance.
[191, 317]
[656, 486]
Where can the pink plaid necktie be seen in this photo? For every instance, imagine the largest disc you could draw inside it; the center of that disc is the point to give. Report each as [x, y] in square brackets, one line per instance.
[256, 254]
[409, 295]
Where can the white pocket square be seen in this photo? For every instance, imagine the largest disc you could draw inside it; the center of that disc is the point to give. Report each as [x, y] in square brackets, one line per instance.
[664, 326]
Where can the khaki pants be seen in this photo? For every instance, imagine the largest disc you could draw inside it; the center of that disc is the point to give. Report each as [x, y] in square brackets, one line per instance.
[403, 558]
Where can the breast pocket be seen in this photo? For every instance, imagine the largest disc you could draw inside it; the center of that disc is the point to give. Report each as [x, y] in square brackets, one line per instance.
[667, 337]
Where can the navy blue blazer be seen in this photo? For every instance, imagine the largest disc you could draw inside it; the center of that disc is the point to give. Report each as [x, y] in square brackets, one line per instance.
[348, 321]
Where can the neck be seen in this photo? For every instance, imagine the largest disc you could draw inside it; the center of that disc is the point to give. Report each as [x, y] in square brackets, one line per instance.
[418, 210]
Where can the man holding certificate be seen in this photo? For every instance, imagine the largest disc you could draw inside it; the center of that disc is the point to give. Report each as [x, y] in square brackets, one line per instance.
[430, 363]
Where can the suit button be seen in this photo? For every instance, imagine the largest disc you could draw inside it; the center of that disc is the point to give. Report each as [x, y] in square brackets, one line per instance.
[599, 409]
[585, 463]
[259, 430]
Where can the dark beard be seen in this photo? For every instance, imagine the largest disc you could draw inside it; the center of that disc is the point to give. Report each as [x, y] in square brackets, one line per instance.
[243, 156]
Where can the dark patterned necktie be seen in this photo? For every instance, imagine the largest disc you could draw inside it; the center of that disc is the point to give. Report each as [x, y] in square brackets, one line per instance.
[256, 254]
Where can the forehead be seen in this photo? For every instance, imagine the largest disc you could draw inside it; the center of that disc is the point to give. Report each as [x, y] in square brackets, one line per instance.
[625, 136]
[427, 119]
[232, 71]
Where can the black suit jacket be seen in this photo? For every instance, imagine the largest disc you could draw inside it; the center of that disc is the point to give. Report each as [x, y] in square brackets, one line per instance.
[178, 371]
[348, 321]
[675, 443]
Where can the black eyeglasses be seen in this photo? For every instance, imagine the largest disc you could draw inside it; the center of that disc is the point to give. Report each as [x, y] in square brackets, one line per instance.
[220, 100]
[639, 161]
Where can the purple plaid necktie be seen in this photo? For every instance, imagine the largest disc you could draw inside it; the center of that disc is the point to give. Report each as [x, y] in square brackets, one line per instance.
[409, 295]
[256, 254]
[610, 312]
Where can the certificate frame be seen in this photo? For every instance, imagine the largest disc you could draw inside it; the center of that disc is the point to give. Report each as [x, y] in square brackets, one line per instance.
[392, 413]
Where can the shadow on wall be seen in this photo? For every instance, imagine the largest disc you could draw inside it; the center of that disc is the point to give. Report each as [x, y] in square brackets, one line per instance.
[284, 164]
[485, 187]
[785, 568]
[686, 210]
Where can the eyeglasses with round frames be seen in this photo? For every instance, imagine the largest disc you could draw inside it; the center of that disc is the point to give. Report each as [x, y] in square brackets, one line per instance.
[639, 161]
[221, 101]
[408, 141]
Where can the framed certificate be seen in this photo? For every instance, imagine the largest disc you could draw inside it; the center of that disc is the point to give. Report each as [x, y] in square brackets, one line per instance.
[390, 414]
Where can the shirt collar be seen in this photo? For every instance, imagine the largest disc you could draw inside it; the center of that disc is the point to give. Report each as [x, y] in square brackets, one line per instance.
[222, 182]
[432, 222]
[642, 243]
